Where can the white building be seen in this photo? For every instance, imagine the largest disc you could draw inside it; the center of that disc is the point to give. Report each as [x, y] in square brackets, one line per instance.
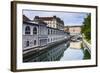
[37, 33]
[54, 22]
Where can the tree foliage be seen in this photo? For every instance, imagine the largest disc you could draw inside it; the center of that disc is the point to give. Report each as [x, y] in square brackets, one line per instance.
[86, 28]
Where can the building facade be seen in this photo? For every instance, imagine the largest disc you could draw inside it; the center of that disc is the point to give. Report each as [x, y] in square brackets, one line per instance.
[37, 33]
[54, 22]
[73, 30]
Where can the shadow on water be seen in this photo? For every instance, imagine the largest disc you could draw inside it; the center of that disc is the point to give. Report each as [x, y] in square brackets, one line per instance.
[62, 52]
[53, 53]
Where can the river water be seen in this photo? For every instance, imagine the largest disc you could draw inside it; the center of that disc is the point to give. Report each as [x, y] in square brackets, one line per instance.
[73, 52]
[63, 52]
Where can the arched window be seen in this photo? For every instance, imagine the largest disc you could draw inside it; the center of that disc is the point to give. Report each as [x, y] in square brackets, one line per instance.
[27, 43]
[34, 30]
[34, 42]
[27, 30]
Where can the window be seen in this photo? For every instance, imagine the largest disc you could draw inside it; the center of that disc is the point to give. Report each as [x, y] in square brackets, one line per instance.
[73, 30]
[54, 26]
[51, 31]
[27, 43]
[34, 30]
[34, 42]
[27, 30]
[48, 31]
[48, 40]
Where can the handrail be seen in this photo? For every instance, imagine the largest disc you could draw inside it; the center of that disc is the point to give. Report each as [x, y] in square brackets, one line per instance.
[87, 45]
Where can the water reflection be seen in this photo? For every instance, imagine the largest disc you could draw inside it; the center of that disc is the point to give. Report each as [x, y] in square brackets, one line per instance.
[63, 52]
[72, 54]
[53, 53]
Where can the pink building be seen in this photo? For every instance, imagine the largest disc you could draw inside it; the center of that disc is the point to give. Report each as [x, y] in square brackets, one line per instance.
[73, 30]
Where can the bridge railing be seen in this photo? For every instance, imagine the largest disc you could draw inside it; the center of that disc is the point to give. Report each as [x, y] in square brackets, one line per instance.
[86, 45]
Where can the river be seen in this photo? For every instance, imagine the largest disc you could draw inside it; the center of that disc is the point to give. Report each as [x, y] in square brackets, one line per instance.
[63, 52]
[73, 52]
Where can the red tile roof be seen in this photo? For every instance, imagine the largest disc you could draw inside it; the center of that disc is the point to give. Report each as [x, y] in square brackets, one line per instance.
[46, 18]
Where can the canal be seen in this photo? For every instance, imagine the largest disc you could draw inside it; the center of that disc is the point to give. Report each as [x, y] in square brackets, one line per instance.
[70, 50]
[73, 52]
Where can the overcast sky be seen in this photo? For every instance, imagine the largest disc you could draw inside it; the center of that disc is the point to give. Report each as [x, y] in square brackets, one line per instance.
[69, 18]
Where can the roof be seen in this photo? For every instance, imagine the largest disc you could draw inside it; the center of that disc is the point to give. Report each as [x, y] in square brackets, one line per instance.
[35, 23]
[26, 18]
[48, 18]
[29, 23]
[72, 26]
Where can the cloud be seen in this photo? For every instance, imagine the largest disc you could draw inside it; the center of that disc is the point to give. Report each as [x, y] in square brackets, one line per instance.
[69, 18]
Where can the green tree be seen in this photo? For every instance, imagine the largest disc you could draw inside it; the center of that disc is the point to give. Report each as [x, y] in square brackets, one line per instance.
[86, 28]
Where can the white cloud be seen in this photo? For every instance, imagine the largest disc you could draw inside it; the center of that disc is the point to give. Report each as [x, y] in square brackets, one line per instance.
[72, 18]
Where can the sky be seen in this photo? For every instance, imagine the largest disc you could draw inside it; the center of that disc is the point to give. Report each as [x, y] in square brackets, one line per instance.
[69, 18]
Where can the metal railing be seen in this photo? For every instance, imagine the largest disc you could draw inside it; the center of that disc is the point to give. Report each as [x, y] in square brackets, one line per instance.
[86, 46]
